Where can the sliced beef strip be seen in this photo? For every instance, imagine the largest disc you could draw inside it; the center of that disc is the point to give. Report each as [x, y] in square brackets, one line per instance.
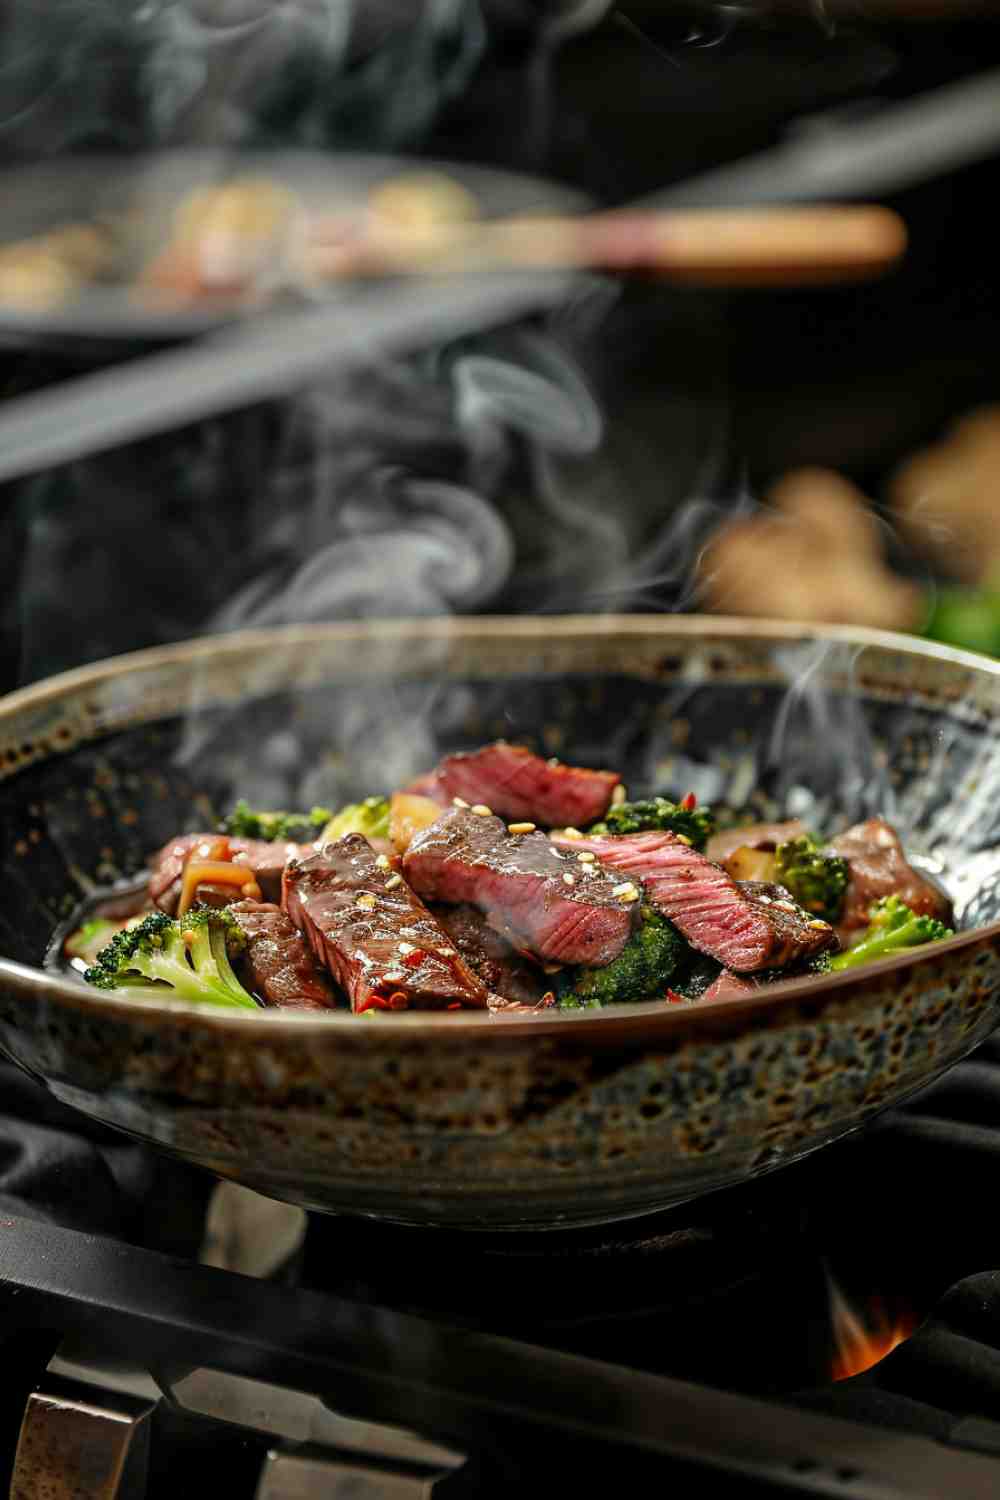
[797, 934]
[522, 786]
[263, 859]
[741, 926]
[878, 867]
[277, 965]
[545, 902]
[765, 836]
[376, 937]
[730, 986]
[505, 972]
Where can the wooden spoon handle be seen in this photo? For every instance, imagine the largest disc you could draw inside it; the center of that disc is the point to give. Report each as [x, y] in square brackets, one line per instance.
[735, 247]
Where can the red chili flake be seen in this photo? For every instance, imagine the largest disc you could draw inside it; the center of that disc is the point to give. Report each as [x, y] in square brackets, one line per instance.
[547, 999]
[415, 959]
[672, 998]
[689, 802]
[374, 1002]
[457, 1005]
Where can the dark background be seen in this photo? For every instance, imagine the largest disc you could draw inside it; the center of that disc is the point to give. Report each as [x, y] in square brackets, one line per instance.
[706, 394]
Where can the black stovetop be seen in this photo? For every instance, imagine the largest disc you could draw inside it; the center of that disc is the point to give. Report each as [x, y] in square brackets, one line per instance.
[608, 1343]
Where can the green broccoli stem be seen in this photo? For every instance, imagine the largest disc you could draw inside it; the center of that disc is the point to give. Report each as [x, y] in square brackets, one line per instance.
[880, 945]
[894, 927]
[188, 959]
[208, 948]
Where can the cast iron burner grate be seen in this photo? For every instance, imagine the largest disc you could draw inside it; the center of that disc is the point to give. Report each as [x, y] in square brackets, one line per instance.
[692, 1340]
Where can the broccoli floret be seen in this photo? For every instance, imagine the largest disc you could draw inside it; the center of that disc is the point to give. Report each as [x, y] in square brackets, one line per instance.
[189, 956]
[686, 818]
[642, 971]
[816, 880]
[370, 817]
[298, 828]
[893, 926]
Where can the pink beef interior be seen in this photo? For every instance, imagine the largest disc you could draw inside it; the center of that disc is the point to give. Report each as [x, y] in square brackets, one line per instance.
[517, 784]
[520, 882]
[696, 895]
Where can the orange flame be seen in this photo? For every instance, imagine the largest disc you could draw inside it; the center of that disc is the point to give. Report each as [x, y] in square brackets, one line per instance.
[861, 1339]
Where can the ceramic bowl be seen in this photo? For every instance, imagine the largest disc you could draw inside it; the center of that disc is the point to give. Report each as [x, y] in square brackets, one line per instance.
[468, 1119]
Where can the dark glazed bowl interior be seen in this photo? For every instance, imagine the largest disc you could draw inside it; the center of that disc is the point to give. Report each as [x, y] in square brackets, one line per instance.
[587, 1117]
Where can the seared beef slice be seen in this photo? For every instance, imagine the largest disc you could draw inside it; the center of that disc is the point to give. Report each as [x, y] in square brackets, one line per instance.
[513, 782]
[878, 867]
[544, 901]
[376, 937]
[503, 970]
[743, 927]
[277, 964]
[730, 986]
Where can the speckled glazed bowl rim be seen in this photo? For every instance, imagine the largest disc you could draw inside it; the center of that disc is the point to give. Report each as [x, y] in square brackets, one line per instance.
[627, 1020]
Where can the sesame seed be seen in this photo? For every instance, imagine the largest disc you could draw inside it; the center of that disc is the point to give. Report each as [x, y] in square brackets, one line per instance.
[786, 906]
[481, 810]
[682, 838]
[618, 795]
[521, 827]
[552, 968]
[393, 881]
[633, 895]
[459, 802]
[572, 833]
[408, 932]
[818, 925]
[406, 948]
[569, 879]
[394, 976]
[366, 899]
[445, 952]
[586, 858]
[623, 889]
[383, 861]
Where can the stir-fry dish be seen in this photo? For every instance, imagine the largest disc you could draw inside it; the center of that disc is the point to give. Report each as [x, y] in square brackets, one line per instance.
[502, 881]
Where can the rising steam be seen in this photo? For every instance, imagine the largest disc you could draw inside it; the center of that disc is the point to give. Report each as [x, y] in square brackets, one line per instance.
[139, 73]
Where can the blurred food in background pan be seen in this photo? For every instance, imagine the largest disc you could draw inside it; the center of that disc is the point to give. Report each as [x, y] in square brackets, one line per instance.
[165, 244]
[817, 552]
[944, 498]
